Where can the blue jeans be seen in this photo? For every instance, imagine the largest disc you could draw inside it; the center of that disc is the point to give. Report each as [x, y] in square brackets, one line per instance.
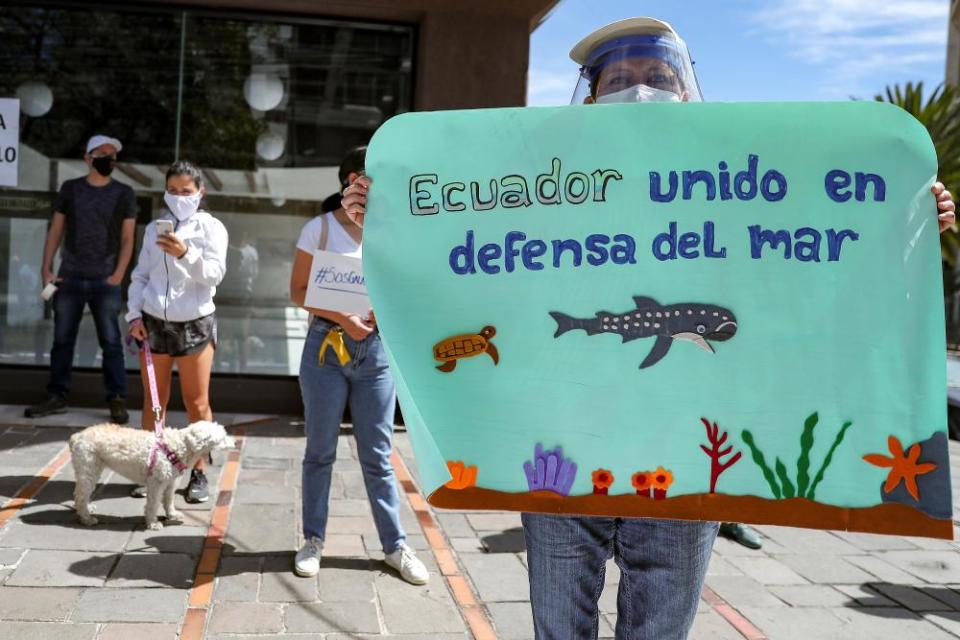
[662, 564]
[72, 295]
[366, 383]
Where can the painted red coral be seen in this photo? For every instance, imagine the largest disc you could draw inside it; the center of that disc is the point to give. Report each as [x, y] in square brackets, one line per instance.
[716, 451]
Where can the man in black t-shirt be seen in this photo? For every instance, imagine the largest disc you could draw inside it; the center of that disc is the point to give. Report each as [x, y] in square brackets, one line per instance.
[94, 216]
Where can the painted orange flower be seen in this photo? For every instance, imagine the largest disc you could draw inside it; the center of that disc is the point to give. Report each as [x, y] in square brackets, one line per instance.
[602, 478]
[903, 467]
[662, 479]
[464, 477]
[642, 480]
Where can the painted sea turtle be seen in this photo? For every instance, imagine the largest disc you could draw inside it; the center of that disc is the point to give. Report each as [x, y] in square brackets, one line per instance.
[465, 345]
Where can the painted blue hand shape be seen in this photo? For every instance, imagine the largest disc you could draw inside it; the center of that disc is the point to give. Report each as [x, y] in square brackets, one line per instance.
[550, 471]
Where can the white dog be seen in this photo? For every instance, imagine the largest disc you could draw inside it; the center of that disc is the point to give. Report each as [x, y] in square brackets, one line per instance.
[127, 452]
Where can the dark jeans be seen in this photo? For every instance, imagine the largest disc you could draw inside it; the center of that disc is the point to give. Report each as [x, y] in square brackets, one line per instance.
[105, 305]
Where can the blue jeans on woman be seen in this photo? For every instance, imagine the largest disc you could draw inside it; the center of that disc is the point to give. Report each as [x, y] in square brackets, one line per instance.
[72, 295]
[662, 567]
[366, 383]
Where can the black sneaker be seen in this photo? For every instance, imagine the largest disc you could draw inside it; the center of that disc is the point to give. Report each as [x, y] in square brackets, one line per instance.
[118, 410]
[197, 490]
[50, 406]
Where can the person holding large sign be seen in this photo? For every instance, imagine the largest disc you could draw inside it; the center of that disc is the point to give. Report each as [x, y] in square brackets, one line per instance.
[663, 562]
[344, 361]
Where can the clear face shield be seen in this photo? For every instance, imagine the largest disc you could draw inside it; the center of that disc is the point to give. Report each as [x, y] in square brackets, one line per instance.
[638, 68]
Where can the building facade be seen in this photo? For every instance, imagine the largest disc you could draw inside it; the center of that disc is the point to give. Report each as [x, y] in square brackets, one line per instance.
[266, 97]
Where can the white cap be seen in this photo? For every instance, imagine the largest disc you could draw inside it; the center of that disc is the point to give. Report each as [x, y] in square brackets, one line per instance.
[98, 140]
[629, 27]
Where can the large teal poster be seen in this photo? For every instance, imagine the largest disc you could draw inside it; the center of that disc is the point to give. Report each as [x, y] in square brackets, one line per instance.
[708, 311]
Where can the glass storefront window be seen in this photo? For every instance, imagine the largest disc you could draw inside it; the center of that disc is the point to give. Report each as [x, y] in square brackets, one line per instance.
[266, 107]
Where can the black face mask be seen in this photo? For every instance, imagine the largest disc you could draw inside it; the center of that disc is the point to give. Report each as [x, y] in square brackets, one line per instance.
[104, 165]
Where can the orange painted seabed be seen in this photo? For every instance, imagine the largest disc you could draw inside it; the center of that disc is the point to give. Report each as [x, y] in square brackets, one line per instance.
[889, 518]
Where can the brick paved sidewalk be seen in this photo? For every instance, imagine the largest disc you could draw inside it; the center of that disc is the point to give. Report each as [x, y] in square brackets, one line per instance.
[61, 580]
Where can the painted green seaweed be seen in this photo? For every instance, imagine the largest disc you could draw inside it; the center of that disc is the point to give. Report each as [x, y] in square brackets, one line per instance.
[803, 462]
[758, 458]
[828, 458]
[788, 489]
[785, 488]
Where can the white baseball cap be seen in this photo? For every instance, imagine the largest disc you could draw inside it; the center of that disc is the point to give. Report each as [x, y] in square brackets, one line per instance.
[99, 139]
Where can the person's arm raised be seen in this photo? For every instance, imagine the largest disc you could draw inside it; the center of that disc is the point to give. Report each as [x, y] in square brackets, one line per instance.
[354, 200]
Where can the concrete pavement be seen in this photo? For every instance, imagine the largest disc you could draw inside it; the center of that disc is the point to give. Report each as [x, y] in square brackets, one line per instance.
[225, 571]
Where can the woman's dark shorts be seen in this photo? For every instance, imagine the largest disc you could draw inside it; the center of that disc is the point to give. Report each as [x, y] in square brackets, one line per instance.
[177, 339]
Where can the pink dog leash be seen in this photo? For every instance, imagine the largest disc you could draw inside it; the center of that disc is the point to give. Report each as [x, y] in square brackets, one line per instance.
[158, 443]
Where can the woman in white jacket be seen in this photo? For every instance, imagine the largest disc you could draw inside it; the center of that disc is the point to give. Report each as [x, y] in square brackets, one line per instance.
[170, 302]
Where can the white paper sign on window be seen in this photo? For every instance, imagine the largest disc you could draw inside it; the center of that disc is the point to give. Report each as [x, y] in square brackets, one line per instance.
[9, 141]
[337, 284]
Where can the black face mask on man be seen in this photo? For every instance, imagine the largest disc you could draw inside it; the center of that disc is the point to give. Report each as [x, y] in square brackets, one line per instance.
[104, 165]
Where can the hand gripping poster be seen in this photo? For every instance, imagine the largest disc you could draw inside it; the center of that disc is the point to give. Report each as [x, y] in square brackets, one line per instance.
[699, 311]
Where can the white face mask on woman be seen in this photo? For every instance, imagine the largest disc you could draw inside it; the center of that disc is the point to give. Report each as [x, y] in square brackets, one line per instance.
[639, 93]
[183, 206]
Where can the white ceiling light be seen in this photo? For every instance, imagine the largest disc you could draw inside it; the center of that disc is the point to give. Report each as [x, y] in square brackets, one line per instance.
[263, 91]
[270, 146]
[36, 98]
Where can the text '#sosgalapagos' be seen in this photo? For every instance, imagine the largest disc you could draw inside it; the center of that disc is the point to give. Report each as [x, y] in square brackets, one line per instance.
[332, 275]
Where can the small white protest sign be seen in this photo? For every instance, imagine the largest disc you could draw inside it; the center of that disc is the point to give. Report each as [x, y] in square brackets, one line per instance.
[336, 284]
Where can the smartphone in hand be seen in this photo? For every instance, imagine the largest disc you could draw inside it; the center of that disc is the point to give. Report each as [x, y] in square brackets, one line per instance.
[164, 227]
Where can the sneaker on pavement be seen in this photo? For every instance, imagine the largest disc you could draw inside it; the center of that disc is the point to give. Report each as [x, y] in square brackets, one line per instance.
[197, 489]
[138, 491]
[306, 564]
[405, 561]
[742, 534]
[118, 410]
[50, 406]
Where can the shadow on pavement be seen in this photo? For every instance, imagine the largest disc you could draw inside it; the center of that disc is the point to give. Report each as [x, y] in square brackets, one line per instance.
[908, 598]
[156, 568]
[508, 541]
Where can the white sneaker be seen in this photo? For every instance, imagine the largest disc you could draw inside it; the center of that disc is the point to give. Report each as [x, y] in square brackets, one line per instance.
[307, 562]
[405, 561]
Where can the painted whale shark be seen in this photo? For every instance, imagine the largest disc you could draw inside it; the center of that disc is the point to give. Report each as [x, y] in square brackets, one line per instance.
[692, 321]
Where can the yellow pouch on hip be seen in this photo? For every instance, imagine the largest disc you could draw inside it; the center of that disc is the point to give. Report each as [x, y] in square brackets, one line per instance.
[334, 340]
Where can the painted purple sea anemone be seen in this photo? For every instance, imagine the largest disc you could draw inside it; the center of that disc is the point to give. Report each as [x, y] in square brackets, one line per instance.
[550, 471]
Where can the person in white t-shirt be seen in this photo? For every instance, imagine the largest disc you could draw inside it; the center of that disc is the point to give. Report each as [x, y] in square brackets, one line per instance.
[344, 361]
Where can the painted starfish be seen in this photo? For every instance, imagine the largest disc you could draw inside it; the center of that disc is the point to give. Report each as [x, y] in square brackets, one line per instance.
[902, 467]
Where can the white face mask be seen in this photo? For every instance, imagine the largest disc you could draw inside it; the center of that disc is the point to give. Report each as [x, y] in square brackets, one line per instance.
[183, 206]
[639, 93]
